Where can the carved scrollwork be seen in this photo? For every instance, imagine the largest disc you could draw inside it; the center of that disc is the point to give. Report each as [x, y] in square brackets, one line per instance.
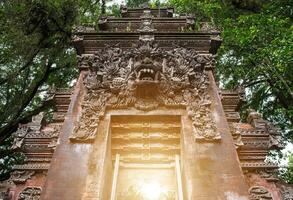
[20, 176]
[146, 77]
[287, 193]
[268, 174]
[30, 193]
[259, 193]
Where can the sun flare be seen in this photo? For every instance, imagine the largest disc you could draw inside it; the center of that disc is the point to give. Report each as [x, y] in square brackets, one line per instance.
[151, 190]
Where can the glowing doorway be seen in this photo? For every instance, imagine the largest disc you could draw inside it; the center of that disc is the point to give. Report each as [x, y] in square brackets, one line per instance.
[145, 150]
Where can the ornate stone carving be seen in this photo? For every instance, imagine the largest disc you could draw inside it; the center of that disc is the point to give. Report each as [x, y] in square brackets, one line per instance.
[6, 195]
[146, 77]
[255, 119]
[266, 173]
[36, 123]
[23, 130]
[82, 29]
[275, 137]
[76, 38]
[146, 29]
[259, 193]
[209, 27]
[18, 176]
[286, 193]
[85, 61]
[190, 21]
[30, 193]
[18, 136]
[274, 133]
[236, 133]
[32, 166]
[54, 137]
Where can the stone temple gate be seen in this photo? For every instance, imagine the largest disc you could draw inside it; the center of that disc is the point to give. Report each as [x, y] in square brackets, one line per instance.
[146, 121]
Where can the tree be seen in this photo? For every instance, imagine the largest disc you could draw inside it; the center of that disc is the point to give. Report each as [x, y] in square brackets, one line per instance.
[287, 173]
[256, 53]
[136, 3]
[35, 54]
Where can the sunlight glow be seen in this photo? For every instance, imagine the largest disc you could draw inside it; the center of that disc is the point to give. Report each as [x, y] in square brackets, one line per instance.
[152, 190]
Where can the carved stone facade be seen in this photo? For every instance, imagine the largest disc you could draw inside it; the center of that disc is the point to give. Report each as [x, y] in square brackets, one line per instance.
[253, 141]
[146, 94]
[147, 77]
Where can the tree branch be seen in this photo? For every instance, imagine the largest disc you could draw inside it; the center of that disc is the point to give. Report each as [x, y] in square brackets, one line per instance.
[10, 127]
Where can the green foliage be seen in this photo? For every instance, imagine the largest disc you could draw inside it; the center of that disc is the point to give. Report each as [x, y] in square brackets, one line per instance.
[256, 53]
[136, 3]
[8, 158]
[88, 11]
[114, 10]
[287, 173]
[36, 53]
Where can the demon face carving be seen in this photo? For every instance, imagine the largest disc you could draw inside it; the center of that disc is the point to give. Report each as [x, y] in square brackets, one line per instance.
[146, 77]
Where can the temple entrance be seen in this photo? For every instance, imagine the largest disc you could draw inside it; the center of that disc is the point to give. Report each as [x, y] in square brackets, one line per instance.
[146, 158]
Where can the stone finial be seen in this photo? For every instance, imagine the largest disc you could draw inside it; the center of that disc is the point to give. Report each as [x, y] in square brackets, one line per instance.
[18, 136]
[275, 136]
[123, 9]
[146, 28]
[36, 123]
[255, 119]
[209, 27]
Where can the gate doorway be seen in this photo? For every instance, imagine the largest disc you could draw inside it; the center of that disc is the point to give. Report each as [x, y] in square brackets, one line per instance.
[146, 158]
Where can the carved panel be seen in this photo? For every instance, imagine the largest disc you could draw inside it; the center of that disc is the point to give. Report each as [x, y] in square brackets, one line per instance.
[146, 77]
[270, 174]
[18, 176]
[30, 193]
[259, 193]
